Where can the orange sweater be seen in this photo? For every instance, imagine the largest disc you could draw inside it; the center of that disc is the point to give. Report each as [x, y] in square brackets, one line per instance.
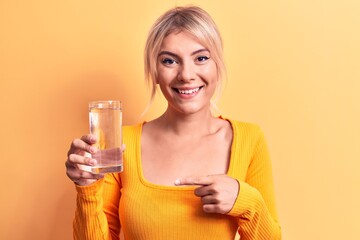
[148, 211]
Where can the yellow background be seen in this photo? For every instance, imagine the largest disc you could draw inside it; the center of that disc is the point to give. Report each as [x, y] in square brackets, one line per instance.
[293, 68]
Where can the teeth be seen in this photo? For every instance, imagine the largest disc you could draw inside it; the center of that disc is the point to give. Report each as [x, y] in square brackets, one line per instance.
[190, 91]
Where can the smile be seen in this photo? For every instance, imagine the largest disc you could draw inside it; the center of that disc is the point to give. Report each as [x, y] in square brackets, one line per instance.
[188, 91]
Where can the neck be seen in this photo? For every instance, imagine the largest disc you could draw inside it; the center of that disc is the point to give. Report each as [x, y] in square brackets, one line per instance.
[188, 124]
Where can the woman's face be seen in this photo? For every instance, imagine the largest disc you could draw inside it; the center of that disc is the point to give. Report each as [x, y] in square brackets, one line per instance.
[187, 75]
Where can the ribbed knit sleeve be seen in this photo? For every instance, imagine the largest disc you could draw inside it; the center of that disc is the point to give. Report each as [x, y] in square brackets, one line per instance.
[255, 205]
[96, 214]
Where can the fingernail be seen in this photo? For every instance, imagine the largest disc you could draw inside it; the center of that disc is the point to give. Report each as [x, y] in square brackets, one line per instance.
[177, 182]
[93, 149]
[92, 161]
[93, 138]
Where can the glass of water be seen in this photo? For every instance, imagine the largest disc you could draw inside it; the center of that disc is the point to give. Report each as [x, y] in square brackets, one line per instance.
[105, 118]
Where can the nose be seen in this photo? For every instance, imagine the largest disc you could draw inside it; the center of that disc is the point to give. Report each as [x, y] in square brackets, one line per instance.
[186, 72]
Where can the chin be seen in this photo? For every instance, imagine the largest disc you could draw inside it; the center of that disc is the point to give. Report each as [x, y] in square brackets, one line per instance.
[190, 109]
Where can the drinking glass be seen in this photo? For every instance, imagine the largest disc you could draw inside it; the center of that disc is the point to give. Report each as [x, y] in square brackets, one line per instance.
[105, 118]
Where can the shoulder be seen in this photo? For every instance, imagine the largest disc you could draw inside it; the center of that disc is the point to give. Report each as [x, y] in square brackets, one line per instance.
[132, 130]
[246, 134]
[244, 128]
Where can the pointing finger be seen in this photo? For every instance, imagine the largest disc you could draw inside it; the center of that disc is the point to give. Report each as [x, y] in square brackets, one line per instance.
[204, 180]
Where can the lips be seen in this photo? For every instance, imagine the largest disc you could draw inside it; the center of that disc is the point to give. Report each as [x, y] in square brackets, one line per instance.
[188, 91]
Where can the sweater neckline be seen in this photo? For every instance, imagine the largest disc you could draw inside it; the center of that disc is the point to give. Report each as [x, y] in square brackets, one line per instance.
[147, 183]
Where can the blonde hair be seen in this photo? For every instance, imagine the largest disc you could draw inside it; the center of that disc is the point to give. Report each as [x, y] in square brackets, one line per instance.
[195, 21]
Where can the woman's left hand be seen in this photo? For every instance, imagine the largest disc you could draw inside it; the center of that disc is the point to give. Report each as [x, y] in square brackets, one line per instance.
[218, 193]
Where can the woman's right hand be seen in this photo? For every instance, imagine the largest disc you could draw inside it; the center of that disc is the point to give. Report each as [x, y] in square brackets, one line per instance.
[78, 159]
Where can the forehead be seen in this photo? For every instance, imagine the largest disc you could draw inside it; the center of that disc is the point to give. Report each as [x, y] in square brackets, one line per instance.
[181, 42]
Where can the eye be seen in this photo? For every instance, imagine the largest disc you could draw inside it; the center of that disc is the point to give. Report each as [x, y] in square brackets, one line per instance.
[168, 61]
[202, 58]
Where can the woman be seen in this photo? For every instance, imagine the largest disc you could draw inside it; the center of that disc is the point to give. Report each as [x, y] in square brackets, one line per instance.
[187, 174]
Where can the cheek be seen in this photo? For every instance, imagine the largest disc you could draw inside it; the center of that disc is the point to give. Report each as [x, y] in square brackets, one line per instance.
[165, 75]
[211, 73]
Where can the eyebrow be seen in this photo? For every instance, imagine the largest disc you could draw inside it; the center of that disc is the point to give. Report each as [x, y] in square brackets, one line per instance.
[175, 55]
